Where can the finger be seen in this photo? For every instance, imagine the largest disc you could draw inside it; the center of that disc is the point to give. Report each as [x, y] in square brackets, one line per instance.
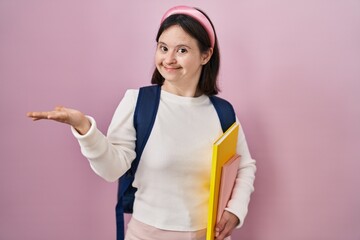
[59, 108]
[36, 119]
[220, 226]
[38, 115]
[52, 115]
[226, 225]
[225, 232]
[58, 116]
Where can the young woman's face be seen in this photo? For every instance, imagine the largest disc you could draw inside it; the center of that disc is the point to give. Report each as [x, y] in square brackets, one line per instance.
[178, 57]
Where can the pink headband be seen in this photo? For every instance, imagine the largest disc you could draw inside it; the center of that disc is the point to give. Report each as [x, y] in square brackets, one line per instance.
[196, 14]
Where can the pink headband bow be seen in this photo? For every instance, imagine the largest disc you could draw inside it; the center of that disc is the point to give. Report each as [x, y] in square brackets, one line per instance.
[196, 14]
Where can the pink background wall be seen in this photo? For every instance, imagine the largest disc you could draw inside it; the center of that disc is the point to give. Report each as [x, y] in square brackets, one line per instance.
[291, 68]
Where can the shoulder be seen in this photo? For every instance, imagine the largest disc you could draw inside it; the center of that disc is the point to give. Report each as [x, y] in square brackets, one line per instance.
[131, 94]
[143, 94]
[221, 104]
[219, 100]
[129, 98]
[134, 93]
[127, 102]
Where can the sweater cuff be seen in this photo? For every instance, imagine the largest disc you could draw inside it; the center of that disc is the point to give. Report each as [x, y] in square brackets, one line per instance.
[240, 216]
[89, 138]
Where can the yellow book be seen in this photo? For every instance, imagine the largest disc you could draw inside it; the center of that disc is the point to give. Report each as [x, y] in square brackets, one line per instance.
[224, 148]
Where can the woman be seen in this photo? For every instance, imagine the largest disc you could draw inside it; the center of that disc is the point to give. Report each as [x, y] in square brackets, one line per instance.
[173, 175]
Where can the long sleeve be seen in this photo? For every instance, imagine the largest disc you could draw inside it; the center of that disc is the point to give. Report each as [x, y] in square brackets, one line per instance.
[244, 184]
[111, 156]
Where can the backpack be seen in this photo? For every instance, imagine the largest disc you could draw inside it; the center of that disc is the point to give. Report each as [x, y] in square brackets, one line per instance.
[144, 118]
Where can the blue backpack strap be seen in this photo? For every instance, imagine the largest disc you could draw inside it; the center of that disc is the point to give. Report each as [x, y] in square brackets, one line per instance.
[225, 112]
[144, 118]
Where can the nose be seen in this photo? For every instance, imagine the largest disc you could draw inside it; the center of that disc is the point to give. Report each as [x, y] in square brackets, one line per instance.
[170, 58]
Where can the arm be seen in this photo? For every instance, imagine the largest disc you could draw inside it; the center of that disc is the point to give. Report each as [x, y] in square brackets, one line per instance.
[111, 156]
[237, 207]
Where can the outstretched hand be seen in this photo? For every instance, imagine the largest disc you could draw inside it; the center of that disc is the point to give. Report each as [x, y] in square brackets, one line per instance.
[61, 114]
[226, 225]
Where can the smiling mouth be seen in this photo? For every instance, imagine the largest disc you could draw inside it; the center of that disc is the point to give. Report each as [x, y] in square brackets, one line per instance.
[171, 68]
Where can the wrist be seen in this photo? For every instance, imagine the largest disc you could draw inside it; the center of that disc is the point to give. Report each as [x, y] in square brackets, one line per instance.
[84, 127]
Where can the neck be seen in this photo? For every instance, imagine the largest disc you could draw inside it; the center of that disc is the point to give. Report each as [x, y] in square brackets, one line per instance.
[184, 91]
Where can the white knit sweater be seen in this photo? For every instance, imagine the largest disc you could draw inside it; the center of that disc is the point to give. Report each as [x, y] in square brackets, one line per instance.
[174, 171]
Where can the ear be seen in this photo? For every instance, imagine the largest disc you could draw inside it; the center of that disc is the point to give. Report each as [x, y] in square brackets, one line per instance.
[205, 57]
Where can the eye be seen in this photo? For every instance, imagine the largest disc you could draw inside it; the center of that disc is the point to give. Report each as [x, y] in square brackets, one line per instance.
[182, 50]
[163, 48]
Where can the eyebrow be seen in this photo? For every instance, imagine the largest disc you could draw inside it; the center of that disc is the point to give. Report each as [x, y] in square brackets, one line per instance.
[180, 45]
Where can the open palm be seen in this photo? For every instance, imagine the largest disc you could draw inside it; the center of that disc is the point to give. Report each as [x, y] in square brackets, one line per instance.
[61, 114]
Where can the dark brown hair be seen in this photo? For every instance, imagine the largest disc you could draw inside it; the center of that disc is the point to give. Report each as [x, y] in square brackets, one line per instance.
[208, 78]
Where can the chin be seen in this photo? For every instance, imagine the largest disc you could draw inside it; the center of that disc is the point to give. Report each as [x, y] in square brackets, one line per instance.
[169, 76]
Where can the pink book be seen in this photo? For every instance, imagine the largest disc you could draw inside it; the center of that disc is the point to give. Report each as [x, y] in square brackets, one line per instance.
[228, 175]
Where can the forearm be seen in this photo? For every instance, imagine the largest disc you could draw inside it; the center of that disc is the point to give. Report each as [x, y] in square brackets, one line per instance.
[244, 184]
[107, 159]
